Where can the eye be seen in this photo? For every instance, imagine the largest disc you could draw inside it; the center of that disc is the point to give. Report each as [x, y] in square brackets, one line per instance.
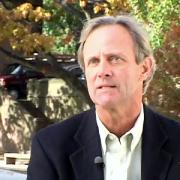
[116, 59]
[93, 61]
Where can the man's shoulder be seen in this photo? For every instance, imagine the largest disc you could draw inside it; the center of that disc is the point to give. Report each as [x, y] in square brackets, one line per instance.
[65, 127]
[169, 124]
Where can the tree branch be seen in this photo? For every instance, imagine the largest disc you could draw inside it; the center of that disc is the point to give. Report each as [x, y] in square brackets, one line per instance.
[54, 70]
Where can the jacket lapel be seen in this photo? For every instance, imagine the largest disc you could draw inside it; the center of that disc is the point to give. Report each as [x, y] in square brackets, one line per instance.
[155, 159]
[88, 140]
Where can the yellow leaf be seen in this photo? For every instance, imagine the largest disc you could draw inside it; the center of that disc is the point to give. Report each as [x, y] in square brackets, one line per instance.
[83, 3]
[25, 6]
[15, 31]
[97, 9]
[14, 47]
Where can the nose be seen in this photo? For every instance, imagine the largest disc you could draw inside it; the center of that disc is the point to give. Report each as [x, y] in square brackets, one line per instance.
[104, 69]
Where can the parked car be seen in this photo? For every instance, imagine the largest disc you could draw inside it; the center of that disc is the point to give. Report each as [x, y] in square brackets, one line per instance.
[14, 78]
[75, 70]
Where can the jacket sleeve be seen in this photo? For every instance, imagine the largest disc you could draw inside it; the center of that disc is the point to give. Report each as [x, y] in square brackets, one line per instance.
[40, 166]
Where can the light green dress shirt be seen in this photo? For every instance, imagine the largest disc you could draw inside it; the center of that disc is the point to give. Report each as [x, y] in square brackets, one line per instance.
[122, 156]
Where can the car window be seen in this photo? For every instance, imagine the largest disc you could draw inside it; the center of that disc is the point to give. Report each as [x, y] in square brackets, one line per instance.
[9, 69]
[17, 70]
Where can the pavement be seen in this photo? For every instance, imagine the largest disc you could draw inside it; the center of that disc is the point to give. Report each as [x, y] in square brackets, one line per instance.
[12, 171]
[20, 166]
[11, 175]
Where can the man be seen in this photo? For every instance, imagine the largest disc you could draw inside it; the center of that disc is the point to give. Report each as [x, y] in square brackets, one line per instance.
[120, 138]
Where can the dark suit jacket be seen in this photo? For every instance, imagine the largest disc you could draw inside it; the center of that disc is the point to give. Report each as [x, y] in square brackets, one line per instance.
[66, 151]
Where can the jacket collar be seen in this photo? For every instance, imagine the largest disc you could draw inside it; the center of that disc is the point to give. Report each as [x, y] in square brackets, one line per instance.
[87, 137]
[155, 158]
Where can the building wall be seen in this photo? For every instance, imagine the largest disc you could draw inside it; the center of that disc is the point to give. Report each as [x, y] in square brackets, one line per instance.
[49, 101]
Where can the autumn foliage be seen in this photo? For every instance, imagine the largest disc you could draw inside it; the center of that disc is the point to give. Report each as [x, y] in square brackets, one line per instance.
[17, 30]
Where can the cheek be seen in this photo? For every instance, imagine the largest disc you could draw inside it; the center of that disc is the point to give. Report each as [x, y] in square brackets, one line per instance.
[90, 75]
[89, 79]
[128, 77]
[133, 79]
[90, 85]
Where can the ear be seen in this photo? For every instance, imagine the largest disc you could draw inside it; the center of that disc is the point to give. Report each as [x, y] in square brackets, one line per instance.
[146, 67]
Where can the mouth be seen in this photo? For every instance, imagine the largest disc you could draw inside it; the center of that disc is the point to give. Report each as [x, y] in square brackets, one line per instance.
[106, 86]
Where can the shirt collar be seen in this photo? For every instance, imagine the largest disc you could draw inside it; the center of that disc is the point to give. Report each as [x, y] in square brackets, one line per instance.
[103, 132]
[135, 131]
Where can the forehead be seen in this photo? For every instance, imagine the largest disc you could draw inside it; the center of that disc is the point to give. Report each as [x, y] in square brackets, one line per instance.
[109, 36]
[112, 31]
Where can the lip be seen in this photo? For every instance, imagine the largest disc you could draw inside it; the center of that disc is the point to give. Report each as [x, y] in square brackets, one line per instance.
[105, 86]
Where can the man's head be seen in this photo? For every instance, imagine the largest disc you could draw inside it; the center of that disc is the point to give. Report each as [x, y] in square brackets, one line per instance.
[139, 36]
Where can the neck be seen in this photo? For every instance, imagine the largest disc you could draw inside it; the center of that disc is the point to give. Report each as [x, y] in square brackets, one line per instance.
[119, 120]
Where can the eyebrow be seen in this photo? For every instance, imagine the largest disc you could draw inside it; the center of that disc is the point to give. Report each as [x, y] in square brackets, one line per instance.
[115, 53]
[109, 54]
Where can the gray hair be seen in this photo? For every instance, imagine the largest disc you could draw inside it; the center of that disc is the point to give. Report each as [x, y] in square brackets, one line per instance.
[138, 34]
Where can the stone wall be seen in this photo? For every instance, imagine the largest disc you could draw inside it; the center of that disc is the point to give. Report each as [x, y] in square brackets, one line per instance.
[48, 101]
[60, 100]
[16, 126]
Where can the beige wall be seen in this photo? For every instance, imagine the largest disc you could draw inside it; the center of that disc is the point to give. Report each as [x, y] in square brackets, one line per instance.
[52, 98]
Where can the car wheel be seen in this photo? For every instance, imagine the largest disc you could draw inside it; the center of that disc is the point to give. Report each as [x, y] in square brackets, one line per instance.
[14, 94]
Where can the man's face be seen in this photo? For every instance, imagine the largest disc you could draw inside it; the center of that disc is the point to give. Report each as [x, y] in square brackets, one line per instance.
[112, 74]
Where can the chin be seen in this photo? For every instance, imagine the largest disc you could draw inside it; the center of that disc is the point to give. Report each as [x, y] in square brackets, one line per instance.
[106, 104]
[105, 100]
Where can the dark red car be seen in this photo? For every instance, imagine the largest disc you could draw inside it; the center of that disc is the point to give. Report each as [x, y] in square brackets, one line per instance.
[14, 78]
